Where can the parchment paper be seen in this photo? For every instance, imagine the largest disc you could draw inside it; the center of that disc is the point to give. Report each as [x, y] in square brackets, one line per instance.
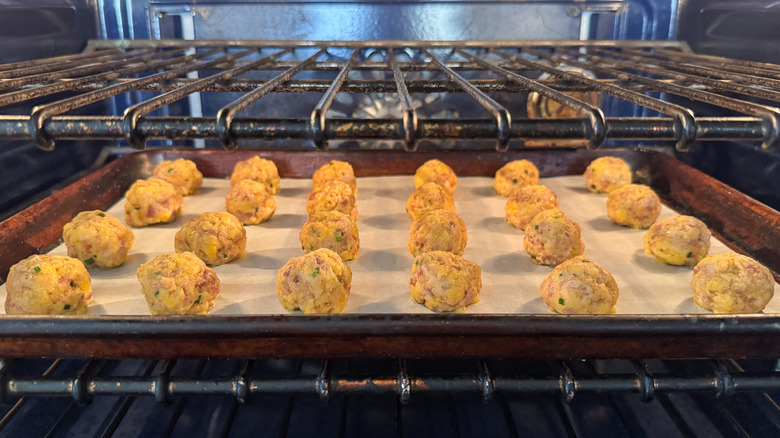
[380, 283]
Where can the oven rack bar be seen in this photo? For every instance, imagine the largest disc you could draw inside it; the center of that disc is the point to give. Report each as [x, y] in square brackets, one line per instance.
[725, 379]
[673, 92]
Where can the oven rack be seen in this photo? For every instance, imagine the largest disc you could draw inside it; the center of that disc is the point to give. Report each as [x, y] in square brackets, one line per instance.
[663, 81]
[724, 386]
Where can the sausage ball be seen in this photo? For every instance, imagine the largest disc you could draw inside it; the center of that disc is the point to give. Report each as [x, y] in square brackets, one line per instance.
[334, 195]
[152, 201]
[257, 169]
[317, 282]
[580, 286]
[332, 230]
[552, 238]
[48, 285]
[215, 237]
[681, 241]
[526, 202]
[633, 205]
[444, 282]
[429, 197]
[335, 171]
[515, 174]
[438, 230]
[732, 283]
[183, 174]
[98, 239]
[606, 174]
[178, 284]
[250, 202]
[436, 172]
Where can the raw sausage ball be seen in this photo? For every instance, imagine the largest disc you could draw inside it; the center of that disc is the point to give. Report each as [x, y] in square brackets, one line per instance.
[438, 230]
[250, 202]
[606, 174]
[580, 286]
[257, 169]
[178, 284]
[183, 174]
[552, 238]
[152, 201]
[526, 202]
[335, 195]
[681, 240]
[335, 171]
[436, 172]
[215, 237]
[444, 282]
[633, 205]
[732, 283]
[317, 282]
[333, 230]
[98, 239]
[515, 174]
[429, 197]
[48, 285]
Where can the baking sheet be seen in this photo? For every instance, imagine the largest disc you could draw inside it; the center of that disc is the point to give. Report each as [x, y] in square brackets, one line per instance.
[510, 281]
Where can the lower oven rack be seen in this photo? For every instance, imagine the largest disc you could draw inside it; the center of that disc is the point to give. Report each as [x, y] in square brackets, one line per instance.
[663, 81]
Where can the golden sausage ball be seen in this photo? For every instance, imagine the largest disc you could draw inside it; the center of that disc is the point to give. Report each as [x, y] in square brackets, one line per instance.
[633, 205]
[317, 282]
[152, 201]
[257, 169]
[445, 282]
[250, 202]
[606, 174]
[215, 237]
[526, 202]
[436, 172]
[732, 283]
[334, 195]
[332, 230]
[579, 286]
[48, 285]
[98, 239]
[183, 174]
[681, 241]
[438, 230]
[429, 197]
[552, 238]
[515, 174]
[178, 284]
[335, 171]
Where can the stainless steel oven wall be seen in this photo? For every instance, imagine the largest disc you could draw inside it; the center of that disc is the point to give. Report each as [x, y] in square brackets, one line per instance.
[378, 20]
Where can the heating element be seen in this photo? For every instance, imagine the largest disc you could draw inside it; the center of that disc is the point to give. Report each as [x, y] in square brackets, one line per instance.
[647, 92]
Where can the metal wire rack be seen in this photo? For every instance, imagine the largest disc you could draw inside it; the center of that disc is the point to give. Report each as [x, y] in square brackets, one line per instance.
[451, 393]
[661, 81]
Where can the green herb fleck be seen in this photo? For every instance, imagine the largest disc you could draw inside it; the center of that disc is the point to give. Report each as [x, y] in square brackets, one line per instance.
[137, 207]
[525, 171]
[331, 163]
[303, 247]
[555, 216]
[37, 269]
[536, 227]
[101, 214]
[158, 273]
[170, 169]
[271, 184]
[533, 257]
[156, 293]
[224, 256]
[592, 170]
[72, 283]
[89, 261]
[198, 300]
[560, 275]
[690, 254]
[315, 273]
[257, 209]
[661, 250]
[416, 263]
[586, 261]
[593, 186]
[311, 247]
[66, 307]
[338, 236]
[514, 180]
[561, 302]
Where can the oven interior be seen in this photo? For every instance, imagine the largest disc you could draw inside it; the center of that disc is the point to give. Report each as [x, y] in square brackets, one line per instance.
[644, 91]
